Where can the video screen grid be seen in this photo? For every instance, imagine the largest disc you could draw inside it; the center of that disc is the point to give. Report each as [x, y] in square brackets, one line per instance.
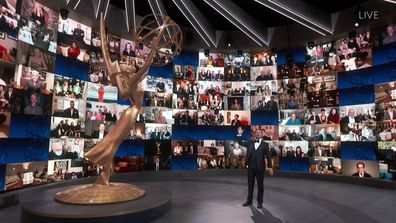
[315, 132]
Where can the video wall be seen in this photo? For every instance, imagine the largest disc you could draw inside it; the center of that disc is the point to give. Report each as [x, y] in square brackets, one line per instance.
[325, 109]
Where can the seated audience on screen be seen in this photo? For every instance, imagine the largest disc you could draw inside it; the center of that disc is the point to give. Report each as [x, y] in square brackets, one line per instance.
[361, 172]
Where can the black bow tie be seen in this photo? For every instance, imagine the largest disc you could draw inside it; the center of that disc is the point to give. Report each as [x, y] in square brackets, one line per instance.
[257, 141]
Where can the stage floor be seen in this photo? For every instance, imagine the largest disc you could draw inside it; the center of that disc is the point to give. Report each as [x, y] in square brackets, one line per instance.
[219, 198]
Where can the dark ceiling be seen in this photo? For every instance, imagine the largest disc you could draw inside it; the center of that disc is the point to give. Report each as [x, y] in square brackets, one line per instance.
[262, 14]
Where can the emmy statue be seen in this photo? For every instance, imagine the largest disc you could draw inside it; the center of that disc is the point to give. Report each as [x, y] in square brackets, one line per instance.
[161, 37]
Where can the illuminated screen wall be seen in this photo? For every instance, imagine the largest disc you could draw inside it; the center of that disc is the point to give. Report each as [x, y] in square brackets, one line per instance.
[326, 109]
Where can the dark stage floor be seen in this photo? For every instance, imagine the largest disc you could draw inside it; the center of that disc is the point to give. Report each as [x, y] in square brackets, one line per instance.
[219, 197]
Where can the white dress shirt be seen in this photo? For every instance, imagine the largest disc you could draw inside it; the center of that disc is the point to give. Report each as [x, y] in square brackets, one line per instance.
[101, 135]
[257, 144]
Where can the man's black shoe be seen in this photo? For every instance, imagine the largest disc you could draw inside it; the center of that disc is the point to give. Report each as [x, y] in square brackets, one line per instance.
[247, 204]
[259, 206]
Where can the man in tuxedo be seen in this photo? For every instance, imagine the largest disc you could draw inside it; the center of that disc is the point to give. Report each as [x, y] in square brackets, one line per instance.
[390, 114]
[350, 119]
[70, 112]
[257, 152]
[101, 133]
[361, 170]
[313, 119]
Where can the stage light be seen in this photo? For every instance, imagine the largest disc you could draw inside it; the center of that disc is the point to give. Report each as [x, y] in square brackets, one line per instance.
[356, 24]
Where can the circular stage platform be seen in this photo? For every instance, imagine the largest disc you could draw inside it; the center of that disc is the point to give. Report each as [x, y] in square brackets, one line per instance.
[42, 207]
[217, 195]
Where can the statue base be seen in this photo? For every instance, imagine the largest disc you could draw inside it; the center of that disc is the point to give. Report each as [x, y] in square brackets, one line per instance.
[39, 207]
[100, 194]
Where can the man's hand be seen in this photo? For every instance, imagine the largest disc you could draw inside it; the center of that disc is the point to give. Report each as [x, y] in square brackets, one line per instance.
[240, 131]
[270, 171]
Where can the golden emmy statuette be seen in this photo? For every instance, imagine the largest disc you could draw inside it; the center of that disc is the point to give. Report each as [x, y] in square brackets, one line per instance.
[162, 37]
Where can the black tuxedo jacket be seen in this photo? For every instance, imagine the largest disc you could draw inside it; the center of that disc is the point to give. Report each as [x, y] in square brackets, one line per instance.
[96, 135]
[365, 174]
[11, 98]
[263, 152]
[237, 123]
[67, 113]
[311, 118]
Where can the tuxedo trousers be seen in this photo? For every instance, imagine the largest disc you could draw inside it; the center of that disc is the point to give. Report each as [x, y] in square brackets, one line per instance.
[253, 174]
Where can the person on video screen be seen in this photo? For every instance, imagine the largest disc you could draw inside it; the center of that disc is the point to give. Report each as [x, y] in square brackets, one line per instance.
[390, 35]
[128, 50]
[361, 172]
[101, 132]
[34, 107]
[73, 51]
[71, 112]
[78, 33]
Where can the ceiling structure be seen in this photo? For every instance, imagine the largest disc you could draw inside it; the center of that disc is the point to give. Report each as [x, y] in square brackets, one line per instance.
[252, 17]
[255, 21]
